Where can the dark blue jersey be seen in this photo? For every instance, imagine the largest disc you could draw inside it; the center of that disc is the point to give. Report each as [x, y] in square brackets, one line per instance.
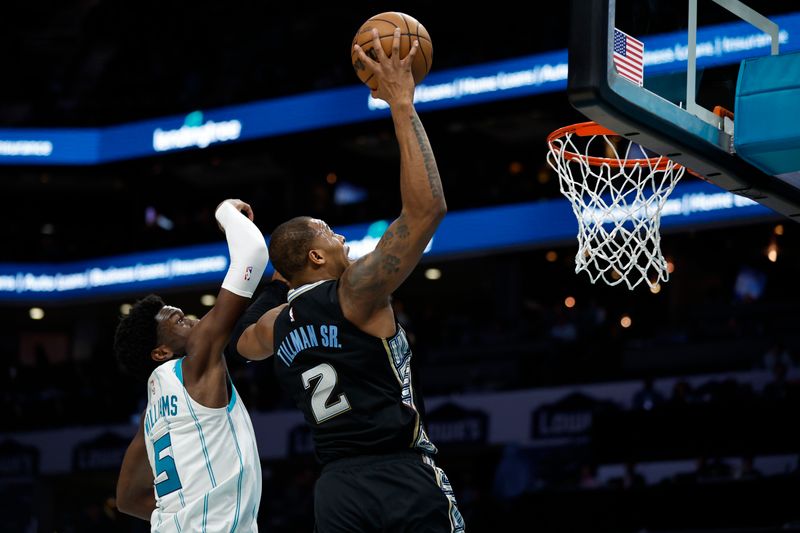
[355, 390]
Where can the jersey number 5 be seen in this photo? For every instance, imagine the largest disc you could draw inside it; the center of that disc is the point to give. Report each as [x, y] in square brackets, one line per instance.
[321, 406]
[167, 479]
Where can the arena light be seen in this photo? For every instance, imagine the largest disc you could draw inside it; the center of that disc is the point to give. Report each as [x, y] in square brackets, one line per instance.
[208, 300]
[772, 252]
[569, 302]
[655, 289]
[515, 168]
[36, 313]
[125, 309]
[433, 274]
[625, 321]
[551, 256]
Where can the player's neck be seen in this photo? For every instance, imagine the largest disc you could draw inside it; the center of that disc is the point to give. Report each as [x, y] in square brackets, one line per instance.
[308, 278]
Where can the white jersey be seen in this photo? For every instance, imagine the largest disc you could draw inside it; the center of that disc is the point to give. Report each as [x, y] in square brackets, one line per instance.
[205, 461]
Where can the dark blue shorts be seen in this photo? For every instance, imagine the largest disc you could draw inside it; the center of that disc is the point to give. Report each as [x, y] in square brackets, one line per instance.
[401, 492]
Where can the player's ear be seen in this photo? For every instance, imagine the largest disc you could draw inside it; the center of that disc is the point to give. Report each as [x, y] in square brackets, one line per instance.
[316, 257]
[161, 353]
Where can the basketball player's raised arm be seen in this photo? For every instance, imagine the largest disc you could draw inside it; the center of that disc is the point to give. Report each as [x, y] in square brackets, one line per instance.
[248, 259]
[135, 494]
[256, 342]
[244, 341]
[366, 284]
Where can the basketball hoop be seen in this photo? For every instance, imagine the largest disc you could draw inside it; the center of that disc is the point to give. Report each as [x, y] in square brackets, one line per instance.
[617, 201]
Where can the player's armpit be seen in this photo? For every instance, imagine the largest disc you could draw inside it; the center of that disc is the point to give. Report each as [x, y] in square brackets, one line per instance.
[367, 283]
[209, 336]
[256, 343]
[272, 295]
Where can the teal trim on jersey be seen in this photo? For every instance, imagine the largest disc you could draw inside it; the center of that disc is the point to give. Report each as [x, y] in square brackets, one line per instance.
[178, 368]
[256, 501]
[177, 524]
[202, 439]
[241, 475]
[158, 507]
[205, 512]
[180, 491]
[233, 396]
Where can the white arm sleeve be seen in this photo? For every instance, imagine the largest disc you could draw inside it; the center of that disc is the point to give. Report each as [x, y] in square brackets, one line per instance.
[247, 249]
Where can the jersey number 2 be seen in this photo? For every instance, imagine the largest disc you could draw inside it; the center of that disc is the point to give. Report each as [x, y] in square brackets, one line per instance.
[321, 406]
[167, 479]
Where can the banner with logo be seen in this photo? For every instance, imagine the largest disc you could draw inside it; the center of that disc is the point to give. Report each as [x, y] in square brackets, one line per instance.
[470, 232]
[722, 44]
[551, 418]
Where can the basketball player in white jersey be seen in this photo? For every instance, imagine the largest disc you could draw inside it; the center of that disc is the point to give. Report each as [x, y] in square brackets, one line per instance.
[194, 465]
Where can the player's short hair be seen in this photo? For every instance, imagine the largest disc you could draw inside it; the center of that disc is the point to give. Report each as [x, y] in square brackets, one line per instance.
[289, 245]
[137, 336]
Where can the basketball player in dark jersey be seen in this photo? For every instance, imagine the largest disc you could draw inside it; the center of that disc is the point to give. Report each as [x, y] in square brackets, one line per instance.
[342, 356]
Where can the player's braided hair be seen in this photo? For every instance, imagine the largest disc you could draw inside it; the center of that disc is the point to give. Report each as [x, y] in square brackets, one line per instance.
[137, 336]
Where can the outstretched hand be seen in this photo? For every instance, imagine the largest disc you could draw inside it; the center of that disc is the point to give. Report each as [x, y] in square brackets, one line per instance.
[395, 81]
[243, 207]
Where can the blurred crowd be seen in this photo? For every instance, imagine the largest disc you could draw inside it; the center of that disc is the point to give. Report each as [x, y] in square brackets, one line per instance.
[502, 329]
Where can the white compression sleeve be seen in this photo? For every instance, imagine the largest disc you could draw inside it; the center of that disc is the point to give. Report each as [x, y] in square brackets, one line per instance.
[247, 249]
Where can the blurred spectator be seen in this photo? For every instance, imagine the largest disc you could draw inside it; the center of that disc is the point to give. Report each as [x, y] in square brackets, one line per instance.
[647, 397]
[728, 393]
[777, 354]
[632, 479]
[588, 477]
[746, 469]
[682, 394]
[593, 320]
[402, 317]
[749, 285]
[470, 495]
[563, 329]
[778, 389]
[512, 476]
[714, 469]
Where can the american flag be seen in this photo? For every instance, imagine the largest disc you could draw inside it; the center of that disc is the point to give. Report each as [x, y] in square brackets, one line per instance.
[629, 57]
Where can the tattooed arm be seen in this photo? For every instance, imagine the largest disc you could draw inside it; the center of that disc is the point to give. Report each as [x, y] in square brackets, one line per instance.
[366, 285]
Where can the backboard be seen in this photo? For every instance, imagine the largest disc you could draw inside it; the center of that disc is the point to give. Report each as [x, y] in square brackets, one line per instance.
[654, 70]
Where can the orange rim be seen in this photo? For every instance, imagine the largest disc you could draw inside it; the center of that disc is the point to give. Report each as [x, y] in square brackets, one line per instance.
[586, 129]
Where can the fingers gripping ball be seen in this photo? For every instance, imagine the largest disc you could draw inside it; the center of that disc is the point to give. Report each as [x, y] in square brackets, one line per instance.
[410, 30]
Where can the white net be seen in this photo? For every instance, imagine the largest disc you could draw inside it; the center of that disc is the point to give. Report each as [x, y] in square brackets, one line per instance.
[617, 199]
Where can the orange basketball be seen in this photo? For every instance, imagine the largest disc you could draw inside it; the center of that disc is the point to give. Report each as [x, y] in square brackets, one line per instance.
[410, 30]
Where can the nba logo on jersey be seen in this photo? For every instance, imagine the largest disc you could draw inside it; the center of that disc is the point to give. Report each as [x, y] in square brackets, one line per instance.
[291, 314]
[247, 273]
